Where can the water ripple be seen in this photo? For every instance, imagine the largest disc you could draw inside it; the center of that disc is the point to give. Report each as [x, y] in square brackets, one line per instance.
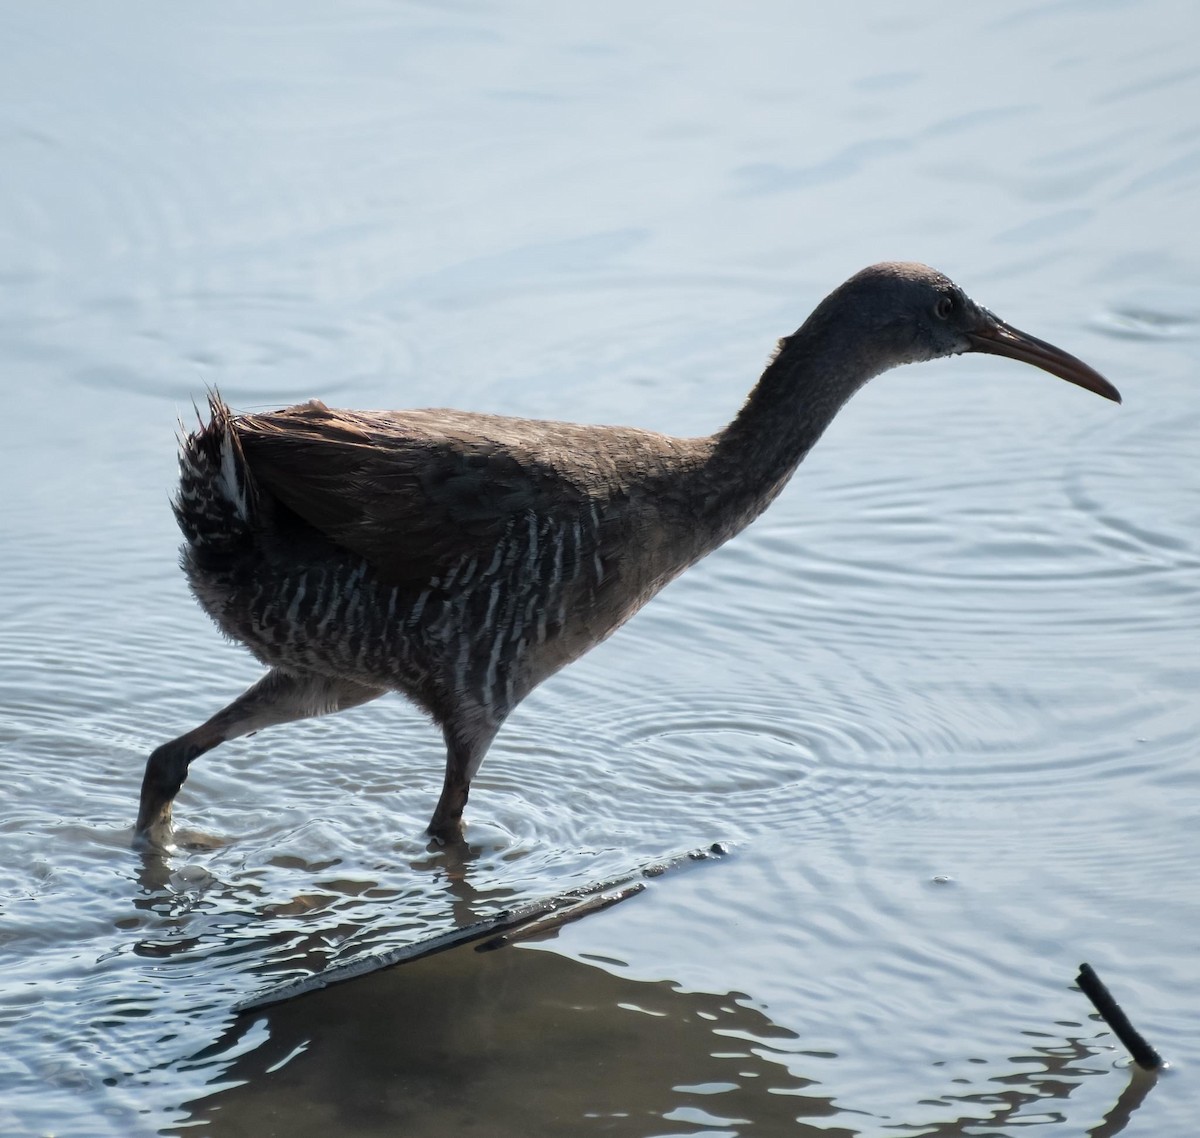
[942, 696]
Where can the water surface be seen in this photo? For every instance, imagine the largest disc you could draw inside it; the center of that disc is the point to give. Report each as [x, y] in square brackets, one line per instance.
[940, 699]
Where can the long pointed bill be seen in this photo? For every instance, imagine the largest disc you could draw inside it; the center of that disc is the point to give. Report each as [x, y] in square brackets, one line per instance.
[1000, 339]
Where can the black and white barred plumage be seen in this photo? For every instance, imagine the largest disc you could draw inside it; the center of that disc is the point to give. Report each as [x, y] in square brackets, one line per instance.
[461, 559]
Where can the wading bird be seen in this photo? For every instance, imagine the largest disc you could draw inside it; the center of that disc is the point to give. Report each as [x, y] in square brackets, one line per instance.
[461, 558]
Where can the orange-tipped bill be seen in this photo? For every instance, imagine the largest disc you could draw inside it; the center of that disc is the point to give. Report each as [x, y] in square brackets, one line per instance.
[1000, 339]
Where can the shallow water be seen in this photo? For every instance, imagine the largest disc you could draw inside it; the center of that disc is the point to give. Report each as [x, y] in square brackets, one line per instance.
[940, 699]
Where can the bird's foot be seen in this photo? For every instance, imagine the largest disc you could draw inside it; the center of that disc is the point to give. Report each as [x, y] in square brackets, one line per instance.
[446, 832]
[153, 829]
[166, 770]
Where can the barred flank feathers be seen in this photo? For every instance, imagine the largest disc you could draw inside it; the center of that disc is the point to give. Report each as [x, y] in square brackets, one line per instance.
[215, 498]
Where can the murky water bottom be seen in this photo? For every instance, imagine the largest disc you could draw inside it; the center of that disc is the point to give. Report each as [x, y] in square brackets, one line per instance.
[940, 699]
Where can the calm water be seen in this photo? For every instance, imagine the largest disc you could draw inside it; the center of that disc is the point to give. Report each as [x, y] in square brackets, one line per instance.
[941, 699]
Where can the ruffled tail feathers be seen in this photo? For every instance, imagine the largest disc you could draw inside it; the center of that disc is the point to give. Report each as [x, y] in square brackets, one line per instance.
[215, 501]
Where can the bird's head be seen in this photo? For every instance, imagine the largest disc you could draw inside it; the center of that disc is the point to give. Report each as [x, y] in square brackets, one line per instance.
[909, 312]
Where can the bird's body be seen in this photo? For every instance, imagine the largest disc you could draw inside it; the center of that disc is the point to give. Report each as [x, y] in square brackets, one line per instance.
[462, 558]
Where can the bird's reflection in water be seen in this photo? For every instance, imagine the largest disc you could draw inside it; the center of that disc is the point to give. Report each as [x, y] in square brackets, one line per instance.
[520, 1042]
[532, 1043]
[514, 1042]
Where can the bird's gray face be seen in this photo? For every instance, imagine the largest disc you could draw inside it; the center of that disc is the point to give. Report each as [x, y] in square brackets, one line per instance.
[939, 319]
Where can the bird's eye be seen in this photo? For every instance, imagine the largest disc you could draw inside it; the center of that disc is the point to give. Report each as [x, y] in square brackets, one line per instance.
[943, 308]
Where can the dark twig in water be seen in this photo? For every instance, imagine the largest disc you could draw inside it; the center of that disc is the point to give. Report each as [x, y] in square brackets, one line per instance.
[563, 917]
[1143, 1054]
[561, 908]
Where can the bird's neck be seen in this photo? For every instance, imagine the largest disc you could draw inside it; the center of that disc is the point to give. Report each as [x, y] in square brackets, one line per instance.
[813, 374]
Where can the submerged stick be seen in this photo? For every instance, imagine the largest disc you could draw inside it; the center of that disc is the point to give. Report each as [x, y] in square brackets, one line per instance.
[557, 920]
[1110, 1011]
[571, 904]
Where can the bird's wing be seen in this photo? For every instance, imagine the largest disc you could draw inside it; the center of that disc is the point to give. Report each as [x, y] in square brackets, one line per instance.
[411, 493]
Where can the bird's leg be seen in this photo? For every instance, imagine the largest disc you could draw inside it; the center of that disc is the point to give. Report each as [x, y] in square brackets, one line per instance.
[464, 752]
[279, 697]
